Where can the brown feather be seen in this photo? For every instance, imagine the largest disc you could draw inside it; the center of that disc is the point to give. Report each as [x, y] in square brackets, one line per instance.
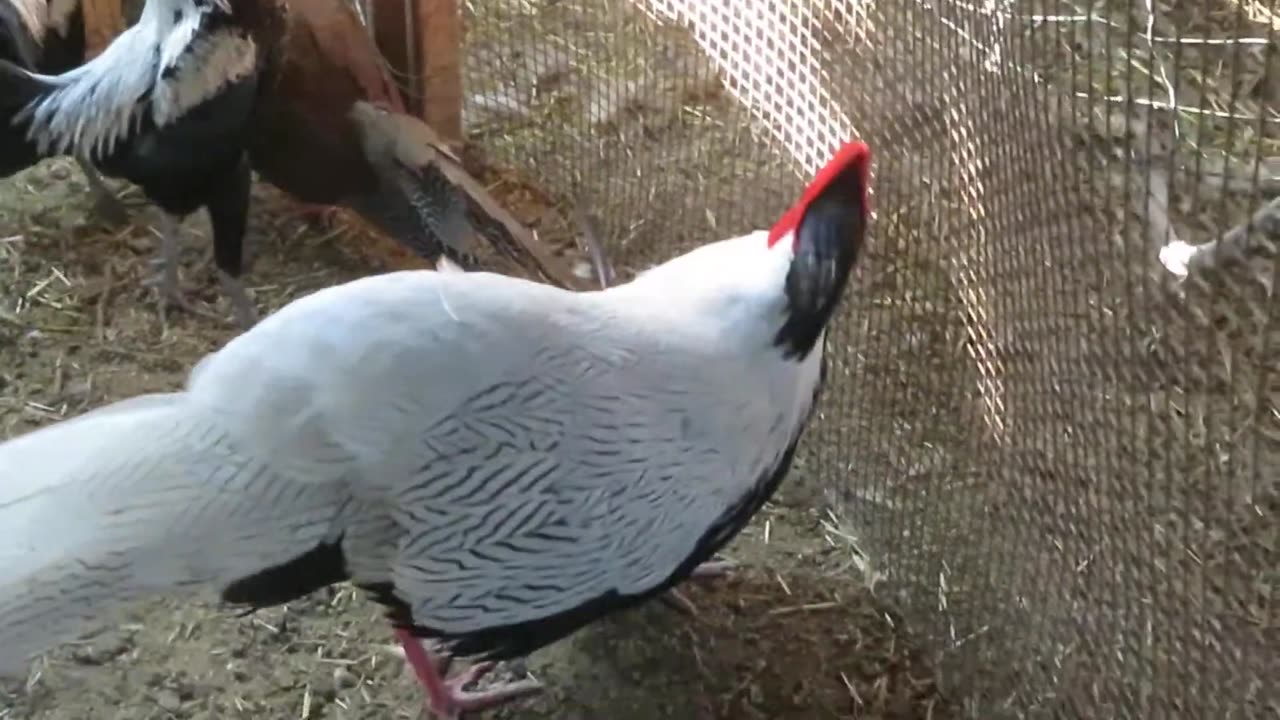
[391, 31]
[34, 15]
[56, 43]
[304, 142]
[411, 143]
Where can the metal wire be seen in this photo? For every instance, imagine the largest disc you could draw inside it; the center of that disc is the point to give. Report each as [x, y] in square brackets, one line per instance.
[1058, 454]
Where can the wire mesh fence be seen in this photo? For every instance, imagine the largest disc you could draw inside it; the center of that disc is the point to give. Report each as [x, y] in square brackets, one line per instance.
[1053, 425]
[1053, 417]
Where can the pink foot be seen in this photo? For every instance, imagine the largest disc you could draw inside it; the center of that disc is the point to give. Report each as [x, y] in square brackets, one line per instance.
[325, 216]
[707, 570]
[446, 698]
[713, 569]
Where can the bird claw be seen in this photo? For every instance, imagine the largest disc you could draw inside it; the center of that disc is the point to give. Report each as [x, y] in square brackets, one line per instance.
[676, 600]
[106, 205]
[241, 306]
[460, 700]
[109, 208]
[323, 216]
[712, 569]
[447, 698]
[169, 295]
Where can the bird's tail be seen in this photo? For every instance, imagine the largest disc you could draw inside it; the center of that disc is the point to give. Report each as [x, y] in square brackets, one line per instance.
[146, 497]
[21, 32]
[452, 205]
[18, 89]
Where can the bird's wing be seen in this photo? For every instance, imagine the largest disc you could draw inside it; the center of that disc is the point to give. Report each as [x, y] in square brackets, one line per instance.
[448, 201]
[198, 59]
[345, 52]
[584, 476]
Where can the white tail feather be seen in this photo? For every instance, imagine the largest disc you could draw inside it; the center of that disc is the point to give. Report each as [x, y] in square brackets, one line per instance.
[445, 265]
[141, 498]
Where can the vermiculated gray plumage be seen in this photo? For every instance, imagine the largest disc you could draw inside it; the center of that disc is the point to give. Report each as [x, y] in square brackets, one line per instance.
[498, 461]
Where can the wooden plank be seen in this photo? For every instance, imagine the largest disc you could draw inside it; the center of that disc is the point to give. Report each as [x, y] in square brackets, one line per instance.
[439, 45]
[103, 21]
[394, 29]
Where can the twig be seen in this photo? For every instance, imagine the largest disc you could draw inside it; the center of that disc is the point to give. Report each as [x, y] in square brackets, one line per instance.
[1239, 176]
[1156, 204]
[103, 298]
[1156, 63]
[591, 237]
[810, 607]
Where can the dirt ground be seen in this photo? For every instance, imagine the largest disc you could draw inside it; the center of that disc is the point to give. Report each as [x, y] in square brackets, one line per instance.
[792, 634]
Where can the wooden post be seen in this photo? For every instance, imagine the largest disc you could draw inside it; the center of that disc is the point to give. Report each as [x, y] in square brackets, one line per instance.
[439, 45]
[394, 28]
[103, 21]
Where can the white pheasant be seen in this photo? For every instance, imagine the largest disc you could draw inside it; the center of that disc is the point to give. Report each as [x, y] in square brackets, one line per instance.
[497, 461]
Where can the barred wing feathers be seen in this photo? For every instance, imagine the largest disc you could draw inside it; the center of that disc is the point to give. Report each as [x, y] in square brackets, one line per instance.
[575, 465]
[499, 461]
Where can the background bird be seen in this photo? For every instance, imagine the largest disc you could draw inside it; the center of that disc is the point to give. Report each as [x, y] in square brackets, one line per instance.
[413, 164]
[166, 106]
[498, 462]
[333, 132]
[198, 93]
[47, 37]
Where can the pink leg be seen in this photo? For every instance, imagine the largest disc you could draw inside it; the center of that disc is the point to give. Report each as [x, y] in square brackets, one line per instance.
[681, 604]
[446, 698]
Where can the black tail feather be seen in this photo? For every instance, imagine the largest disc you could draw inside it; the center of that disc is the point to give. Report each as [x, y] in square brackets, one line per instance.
[17, 44]
[441, 209]
[18, 88]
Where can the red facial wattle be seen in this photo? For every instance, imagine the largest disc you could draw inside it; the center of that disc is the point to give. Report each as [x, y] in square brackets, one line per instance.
[854, 156]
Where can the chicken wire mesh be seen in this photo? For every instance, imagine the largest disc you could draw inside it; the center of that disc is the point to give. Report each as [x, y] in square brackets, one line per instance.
[1055, 452]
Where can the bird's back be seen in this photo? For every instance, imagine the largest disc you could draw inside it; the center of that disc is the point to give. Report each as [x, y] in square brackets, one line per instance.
[539, 450]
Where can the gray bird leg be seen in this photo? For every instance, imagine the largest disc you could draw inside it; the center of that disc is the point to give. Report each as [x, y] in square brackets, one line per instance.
[245, 312]
[165, 280]
[447, 699]
[105, 202]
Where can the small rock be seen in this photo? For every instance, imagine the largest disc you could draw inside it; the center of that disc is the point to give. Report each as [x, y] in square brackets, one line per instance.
[168, 700]
[343, 679]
